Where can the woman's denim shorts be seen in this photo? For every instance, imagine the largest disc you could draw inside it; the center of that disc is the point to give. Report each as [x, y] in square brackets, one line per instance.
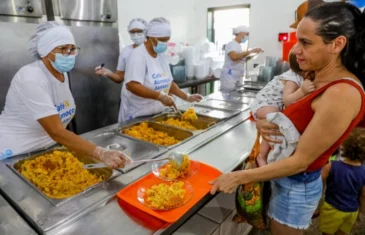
[295, 198]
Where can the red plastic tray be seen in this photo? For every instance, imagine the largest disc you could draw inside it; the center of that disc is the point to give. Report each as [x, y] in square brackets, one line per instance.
[199, 182]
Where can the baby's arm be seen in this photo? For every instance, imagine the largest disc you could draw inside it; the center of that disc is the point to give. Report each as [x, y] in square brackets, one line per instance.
[292, 92]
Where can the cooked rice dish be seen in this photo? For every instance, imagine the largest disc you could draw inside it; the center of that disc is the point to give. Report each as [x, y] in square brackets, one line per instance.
[58, 174]
[172, 172]
[164, 196]
[144, 132]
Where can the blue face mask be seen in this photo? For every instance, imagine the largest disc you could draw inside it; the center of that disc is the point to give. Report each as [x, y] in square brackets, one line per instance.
[63, 64]
[243, 40]
[160, 48]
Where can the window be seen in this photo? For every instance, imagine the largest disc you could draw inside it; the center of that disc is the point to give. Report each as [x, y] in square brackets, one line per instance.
[222, 20]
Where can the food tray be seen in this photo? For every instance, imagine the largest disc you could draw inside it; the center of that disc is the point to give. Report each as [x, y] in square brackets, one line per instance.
[180, 134]
[106, 173]
[203, 123]
[199, 182]
[135, 149]
[223, 105]
[211, 112]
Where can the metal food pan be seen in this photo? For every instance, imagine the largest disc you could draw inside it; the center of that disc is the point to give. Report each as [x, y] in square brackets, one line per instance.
[135, 149]
[223, 105]
[180, 134]
[203, 123]
[211, 112]
[105, 173]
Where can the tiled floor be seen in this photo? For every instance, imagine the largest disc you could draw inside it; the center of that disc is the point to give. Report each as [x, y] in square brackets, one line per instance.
[359, 229]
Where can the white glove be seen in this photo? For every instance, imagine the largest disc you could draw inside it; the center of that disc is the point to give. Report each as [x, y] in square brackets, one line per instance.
[165, 99]
[194, 98]
[103, 71]
[112, 158]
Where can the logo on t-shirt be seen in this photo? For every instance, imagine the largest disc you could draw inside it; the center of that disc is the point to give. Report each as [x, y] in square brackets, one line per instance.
[65, 111]
[161, 81]
[7, 153]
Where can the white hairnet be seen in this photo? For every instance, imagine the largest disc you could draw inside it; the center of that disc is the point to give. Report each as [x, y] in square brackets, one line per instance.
[137, 23]
[240, 29]
[48, 36]
[159, 27]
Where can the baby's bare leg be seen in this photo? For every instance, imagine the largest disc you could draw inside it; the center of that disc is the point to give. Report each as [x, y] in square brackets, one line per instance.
[265, 146]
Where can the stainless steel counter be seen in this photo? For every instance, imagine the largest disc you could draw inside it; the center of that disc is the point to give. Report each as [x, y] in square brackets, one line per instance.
[224, 146]
[10, 221]
[225, 152]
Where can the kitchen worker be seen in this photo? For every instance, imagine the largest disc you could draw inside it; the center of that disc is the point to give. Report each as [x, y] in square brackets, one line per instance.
[148, 79]
[137, 32]
[39, 104]
[235, 59]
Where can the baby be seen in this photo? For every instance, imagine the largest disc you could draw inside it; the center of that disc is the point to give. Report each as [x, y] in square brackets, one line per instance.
[282, 91]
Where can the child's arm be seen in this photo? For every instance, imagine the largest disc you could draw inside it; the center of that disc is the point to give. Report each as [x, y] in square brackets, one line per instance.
[293, 93]
[362, 200]
[325, 173]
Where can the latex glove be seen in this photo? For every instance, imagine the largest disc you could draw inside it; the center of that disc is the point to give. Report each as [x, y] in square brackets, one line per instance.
[257, 50]
[307, 86]
[194, 98]
[165, 99]
[112, 158]
[103, 71]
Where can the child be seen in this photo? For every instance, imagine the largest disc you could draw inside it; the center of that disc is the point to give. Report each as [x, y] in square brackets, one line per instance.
[282, 91]
[345, 191]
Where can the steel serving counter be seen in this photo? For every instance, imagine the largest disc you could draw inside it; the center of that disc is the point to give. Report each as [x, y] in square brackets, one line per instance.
[223, 146]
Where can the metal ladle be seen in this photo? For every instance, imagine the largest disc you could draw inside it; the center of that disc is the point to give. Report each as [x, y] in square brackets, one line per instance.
[175, 157]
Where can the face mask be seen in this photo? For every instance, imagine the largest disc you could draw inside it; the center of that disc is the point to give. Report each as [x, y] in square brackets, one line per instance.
[63, 64]
[138, 38]
[243, 40]
[160, 48]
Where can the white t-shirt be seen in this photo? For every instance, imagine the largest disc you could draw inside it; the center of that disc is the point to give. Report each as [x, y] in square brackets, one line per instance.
[153, 73]
[123, 56]
[228, 62]
[34, 93]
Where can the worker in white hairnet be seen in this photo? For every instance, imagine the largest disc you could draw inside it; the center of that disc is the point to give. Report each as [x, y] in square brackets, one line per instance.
[39, 104]
[137, 32]
[235, 59]
[148, 79]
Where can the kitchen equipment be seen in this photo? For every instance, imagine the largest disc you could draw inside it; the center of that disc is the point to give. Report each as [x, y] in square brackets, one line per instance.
[136, 150]
[200, 70]
[94, 26]
[270, 61]
[178, 73]
[179, 134]
[190, 71]
[18, 21]
[161, 165]
[142, 195]
[211, 112]
[203, 123]
[176, 109]
[106, 174]
[217, 73]
[199, 181]
[189, 55]
[173, 156]
[222, 105]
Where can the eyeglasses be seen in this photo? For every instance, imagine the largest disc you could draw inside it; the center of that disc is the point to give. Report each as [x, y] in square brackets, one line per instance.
[66, 51]
[137, 34]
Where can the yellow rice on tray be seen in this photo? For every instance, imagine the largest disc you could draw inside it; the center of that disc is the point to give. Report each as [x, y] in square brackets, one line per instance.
[144, 132]
[179, 123]
[190, 115]
[172, 172]
[58, 174]
[164, 197]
